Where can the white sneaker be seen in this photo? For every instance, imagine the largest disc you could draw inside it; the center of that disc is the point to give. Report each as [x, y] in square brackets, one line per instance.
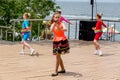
[32, 51]
[96, 52]
[22, 53]
[100, 53]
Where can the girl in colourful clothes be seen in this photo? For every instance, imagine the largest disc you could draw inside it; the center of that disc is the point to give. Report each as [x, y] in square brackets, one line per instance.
[60, 42]
[98, 33]
[26, 34]
[62, 18]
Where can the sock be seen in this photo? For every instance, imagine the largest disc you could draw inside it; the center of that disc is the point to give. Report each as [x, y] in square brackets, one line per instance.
[22, 50]
[31, 48]
[99, 51]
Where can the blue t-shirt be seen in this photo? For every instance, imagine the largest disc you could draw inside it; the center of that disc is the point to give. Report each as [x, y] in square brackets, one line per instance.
[25, 24]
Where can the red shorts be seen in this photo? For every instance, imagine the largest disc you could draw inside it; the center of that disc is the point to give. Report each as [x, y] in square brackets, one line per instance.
[97, 36]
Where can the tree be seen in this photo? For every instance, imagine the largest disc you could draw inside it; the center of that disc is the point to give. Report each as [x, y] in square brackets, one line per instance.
[40, 8]
[12, 9]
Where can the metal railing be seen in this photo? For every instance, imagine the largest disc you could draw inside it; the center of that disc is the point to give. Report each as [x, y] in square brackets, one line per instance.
[72, 32]
[113, 36]
[4, 29]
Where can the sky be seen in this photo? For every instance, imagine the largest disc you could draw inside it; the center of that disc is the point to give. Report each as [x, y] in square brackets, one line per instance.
[96, 0]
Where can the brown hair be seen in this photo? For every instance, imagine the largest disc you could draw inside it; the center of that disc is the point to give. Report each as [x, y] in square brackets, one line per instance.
[52, 20]
[27, 15]
[99, 15]
[59, 12]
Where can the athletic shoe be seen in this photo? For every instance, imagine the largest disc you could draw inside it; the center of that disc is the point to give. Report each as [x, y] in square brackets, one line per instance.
[100, 53]
[96, 52]
[32, 51]
[22, 53]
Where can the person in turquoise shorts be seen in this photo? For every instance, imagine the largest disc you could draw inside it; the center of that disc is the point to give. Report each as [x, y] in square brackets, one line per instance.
[26, 34]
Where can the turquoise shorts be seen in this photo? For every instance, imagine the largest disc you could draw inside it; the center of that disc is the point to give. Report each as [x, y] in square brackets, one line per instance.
[26, 36]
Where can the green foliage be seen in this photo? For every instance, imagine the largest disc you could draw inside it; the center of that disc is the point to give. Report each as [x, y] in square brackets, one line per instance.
[14, 9]
[6, 10]
[40, 8]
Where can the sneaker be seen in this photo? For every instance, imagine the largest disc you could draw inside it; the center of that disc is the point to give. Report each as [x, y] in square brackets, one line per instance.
[32, 51]
[22, 53]
[100, 53]
[96, 52]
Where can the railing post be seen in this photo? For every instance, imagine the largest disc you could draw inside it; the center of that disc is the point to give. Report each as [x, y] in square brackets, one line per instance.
[1, 34]
[76, 30]
[38, 31]
[6, 33]
[68, 31]
[107, 32]
[114, 32]
[14, 31]
[46, 32]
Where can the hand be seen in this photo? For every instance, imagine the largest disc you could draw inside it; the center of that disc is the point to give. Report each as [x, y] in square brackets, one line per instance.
[29, 27]
[93, 28]
[59, 28]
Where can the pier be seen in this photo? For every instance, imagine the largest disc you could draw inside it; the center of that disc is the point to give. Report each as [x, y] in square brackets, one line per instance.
[80, 63]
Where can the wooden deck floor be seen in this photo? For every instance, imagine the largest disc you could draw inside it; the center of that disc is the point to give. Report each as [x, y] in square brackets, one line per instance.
[80, 64]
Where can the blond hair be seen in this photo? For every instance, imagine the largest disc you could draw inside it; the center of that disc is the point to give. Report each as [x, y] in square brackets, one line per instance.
[27, 15]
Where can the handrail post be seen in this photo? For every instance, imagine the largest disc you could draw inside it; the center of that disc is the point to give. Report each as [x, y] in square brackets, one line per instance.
[38, 31]
[76, 30]
[114, 33]
[14, 31]
[46, 32]
[6, 33]
[68, 31]
[1, 33]
[107, 32]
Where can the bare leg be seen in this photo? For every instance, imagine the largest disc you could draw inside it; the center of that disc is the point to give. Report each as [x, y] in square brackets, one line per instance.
[23, 46]
[61, 64]
[57, 62]
[96, 44]
[26, 44]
